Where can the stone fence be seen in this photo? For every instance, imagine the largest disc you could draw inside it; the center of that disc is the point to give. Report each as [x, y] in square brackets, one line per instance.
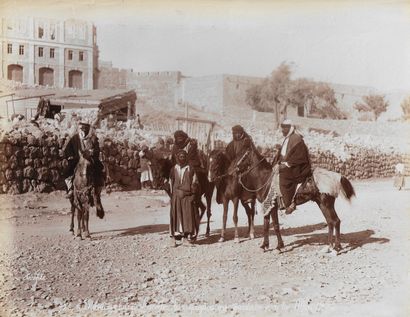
[35, 163]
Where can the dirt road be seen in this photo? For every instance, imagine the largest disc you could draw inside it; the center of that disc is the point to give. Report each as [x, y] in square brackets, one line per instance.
[128, 269]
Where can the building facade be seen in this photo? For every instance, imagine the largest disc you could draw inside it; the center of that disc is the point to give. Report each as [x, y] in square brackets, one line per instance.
[48, 52]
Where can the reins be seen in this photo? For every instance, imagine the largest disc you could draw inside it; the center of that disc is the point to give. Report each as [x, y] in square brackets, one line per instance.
[258, 189]
[248, 171]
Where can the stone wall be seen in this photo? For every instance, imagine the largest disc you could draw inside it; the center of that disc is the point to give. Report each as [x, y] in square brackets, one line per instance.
[157, 89]
[34, 162]
[203, 92]
[111, 77]
[234, 90]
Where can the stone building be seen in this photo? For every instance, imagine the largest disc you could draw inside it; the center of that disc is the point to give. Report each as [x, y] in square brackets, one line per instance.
[111, 77]
[158, 89]
[48, 52]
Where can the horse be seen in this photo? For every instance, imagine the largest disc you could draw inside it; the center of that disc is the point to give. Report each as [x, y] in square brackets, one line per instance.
[257, 174]
[228, 189]
[161, 172]
[84, 195]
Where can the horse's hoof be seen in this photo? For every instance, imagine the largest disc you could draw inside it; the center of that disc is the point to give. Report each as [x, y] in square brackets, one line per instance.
[221, 239]
[264, 247]
[207, 234]
[338, 248]
[236, 240]
[277, 251]
[71, 230]
[252, 236]
[326, 249]
[280, 246]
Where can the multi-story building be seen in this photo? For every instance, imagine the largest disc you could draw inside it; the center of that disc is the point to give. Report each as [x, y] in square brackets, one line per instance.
[57, 53]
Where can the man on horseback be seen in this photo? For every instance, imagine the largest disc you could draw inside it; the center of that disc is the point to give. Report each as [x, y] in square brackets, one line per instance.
[294, 164]
[184, 142]
[241, 143]
[85, 142]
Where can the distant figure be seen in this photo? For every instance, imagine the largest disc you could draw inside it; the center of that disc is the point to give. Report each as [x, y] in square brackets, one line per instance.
[16, 118]
[139, 124]
[399, 177]
[145, 169]
[43, 109]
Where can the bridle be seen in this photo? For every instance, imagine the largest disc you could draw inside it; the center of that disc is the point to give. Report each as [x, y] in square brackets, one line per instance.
[248, 171]
[219, 177]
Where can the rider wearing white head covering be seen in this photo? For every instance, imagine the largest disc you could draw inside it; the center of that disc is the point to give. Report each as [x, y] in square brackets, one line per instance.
[294, 163]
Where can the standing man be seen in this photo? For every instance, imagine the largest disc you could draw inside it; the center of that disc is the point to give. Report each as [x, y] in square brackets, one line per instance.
[86, 142]
[183, 142]
[183, 212]
[294, 164]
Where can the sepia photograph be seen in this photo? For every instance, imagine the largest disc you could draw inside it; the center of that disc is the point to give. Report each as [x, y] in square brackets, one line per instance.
[204, 158]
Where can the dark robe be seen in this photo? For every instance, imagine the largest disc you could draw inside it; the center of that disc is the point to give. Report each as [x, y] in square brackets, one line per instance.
[195, 159]
[183, 211]
[71, 153]
[191, 147]
[237, 148]
[297, 156]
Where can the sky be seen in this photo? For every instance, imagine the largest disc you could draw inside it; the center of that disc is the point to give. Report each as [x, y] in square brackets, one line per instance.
[363, 43]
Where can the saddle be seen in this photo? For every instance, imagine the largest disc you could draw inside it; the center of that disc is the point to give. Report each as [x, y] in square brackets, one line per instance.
[302, 191]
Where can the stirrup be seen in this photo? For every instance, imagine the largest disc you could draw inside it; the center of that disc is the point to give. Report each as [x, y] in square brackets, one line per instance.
[290, 209]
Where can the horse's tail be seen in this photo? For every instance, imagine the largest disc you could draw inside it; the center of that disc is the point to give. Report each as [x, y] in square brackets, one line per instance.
[347, 188]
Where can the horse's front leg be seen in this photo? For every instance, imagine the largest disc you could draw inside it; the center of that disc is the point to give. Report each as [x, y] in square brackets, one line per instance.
[72, 215]
[252, 220]
[275, 220]
[224, 218]
[235, 218]
[79, 222]
[208, 214]
[86, 219]
[265, 243]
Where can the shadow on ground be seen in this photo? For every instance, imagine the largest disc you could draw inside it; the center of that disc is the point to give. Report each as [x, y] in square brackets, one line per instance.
[243, 233]
[354, 240]
[157, 228]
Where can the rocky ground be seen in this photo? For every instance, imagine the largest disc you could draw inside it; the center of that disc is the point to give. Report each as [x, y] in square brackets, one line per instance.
[127, 267]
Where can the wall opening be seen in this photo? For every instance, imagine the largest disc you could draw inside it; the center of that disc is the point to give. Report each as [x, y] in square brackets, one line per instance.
[15, 72]
[75, 79]
[46, 76]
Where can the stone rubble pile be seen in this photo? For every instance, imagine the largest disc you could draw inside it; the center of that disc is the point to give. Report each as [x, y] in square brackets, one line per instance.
[31, 157]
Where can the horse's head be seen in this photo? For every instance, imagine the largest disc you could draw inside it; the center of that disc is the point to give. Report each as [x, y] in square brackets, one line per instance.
[161, 169]
[216, 165]
[248, 160]
[84, 172]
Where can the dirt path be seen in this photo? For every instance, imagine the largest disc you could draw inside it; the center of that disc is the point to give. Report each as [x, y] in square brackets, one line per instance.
[128, 269]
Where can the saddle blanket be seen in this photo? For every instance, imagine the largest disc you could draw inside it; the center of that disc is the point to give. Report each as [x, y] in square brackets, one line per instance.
[327, 182]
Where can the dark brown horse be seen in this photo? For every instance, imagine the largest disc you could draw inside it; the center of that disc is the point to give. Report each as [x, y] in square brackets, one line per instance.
[161, 172]
[257, 175]
[221, 172]
[84, 196]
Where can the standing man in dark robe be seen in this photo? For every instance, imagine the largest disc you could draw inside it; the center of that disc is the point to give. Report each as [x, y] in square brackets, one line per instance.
[183, 213]
[241, 142]
[86, 142]
[294, 164]
[183, 142]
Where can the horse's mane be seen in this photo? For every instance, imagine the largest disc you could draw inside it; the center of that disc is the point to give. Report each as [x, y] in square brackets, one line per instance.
[221, 153]
[262, 159]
